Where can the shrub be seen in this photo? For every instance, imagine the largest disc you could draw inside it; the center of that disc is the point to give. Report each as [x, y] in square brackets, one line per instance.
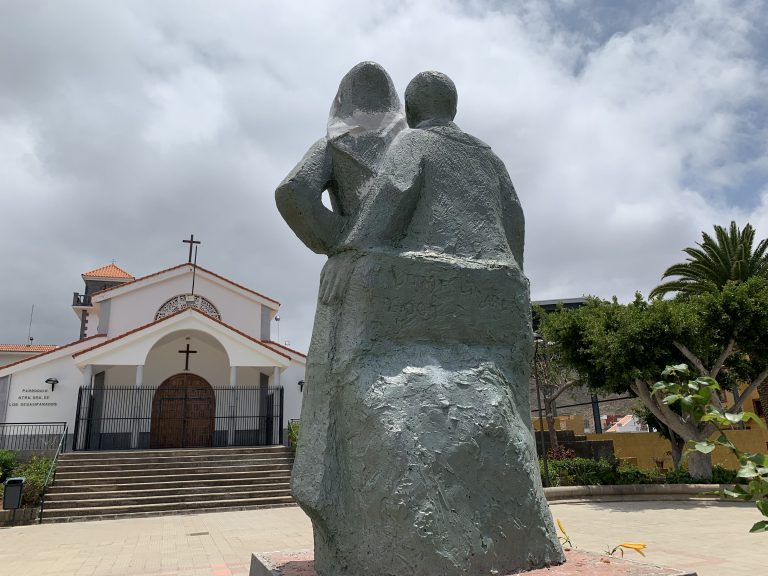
[7, 463]
[631, 474]
[35, 471]
[588, 472]
[293, 433]
[561, 453]
[680, 476]
[722, 475]
[581, 472]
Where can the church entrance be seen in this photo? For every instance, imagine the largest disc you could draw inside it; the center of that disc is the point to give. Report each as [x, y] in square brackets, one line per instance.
[183, 413]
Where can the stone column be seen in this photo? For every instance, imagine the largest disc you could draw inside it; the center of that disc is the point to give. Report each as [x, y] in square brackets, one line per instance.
[232, 428]
[137, 421]
[88, 375]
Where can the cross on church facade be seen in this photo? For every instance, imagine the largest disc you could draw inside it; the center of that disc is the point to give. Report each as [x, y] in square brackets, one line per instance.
[186, 358]
[191, 243]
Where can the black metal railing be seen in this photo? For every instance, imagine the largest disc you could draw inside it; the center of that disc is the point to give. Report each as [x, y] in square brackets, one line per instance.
[52, 471]
[35, 437]
[111, 418]
[81, 299]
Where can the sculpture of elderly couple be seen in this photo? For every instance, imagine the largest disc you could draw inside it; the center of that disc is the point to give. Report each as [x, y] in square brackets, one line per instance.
[416, 455]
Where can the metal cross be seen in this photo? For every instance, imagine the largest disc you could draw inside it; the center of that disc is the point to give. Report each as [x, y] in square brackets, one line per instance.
[186, 359]
[191, 243]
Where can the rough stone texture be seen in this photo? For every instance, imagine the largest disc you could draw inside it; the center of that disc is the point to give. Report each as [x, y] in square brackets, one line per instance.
[301, 563]
[416, 453]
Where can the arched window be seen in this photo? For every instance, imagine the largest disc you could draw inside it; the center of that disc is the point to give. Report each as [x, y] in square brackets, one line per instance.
[183, 301]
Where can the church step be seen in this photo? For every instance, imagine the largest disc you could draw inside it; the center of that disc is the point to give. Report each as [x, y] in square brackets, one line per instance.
[220, 474]
[108, 472]
[172, 452]
[62, 494]
[71, 467]
[170, 499]
[165, 507]
[90, 485]
[136, 459]
[158, 513]
[198, 483]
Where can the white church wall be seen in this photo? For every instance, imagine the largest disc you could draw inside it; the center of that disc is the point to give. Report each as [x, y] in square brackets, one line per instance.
[139, 306]
[92, 322]
[210, 362]
[120, 377]
[289, 379]
[11, 357]
[30, 399]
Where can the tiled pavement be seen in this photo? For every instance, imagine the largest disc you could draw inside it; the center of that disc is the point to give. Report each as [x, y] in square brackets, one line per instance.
[711, 538]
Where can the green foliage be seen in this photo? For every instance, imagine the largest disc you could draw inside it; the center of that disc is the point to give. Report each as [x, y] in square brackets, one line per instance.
[693, 397]
[603, 472]
[680, 476]
[294, 426]
[587, 472]
[723, 475]
[728, 257]
[35, 471]
[561, 453]
[7, 463]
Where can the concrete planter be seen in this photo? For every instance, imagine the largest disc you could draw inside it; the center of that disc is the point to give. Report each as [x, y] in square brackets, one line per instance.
[23, 516]
[635, 492]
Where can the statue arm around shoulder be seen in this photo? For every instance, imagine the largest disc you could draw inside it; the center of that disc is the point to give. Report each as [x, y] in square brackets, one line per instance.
[387, 211]
[512, 215]
[299, 200]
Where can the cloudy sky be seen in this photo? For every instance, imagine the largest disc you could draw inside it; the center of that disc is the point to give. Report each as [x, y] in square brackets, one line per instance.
[627, 127]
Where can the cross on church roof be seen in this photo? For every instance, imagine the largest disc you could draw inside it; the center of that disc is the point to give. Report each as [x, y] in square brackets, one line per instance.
[186, 358]
[191, 243]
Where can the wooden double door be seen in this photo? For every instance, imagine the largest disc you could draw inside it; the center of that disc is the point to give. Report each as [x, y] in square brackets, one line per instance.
[183, 413]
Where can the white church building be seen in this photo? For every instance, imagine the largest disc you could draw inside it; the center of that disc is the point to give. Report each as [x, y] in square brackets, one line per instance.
[180, 358]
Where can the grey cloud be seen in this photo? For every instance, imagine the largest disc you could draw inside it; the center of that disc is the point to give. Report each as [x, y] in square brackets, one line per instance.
[126, 126]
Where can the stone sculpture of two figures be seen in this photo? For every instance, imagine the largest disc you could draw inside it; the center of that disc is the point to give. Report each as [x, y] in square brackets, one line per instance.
[416, 455]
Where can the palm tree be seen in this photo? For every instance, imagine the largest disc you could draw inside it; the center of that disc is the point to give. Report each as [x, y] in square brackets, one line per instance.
[727, 257]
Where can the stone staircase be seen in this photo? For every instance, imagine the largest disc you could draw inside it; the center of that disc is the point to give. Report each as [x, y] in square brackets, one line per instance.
[99, 485]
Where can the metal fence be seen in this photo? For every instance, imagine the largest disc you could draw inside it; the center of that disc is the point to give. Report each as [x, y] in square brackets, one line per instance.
[132, 418]
[33, 437]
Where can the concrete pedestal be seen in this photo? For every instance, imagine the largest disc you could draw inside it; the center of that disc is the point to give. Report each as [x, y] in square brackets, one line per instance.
[578, 563]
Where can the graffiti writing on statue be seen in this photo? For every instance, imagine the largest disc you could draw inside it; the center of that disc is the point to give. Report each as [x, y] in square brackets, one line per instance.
[33, 398]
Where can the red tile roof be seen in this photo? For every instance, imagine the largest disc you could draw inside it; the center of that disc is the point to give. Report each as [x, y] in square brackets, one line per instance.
[145, 326]
[109, 271]
[227, 280]
[27, 347]
[51, 351]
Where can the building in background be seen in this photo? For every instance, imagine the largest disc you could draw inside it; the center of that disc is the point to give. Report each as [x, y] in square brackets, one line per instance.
[179, 358]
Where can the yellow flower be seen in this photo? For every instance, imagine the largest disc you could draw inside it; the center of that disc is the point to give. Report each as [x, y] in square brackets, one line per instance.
[560, 525]
[636, 546]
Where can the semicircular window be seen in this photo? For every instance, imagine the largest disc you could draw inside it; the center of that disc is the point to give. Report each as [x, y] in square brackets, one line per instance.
[183, 301]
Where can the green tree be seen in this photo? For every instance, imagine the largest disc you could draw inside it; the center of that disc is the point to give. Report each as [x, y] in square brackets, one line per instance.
[728, 257]
[623, 347]
[554, 377]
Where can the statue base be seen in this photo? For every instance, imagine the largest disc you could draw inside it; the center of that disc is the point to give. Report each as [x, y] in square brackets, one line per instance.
[578, 563]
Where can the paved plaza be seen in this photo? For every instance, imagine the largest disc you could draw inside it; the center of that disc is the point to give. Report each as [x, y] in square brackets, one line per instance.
[711, 538]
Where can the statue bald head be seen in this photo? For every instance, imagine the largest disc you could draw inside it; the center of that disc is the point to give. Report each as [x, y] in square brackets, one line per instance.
[430, 96]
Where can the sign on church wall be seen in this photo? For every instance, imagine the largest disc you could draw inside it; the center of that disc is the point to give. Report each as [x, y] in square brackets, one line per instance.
[32, 398]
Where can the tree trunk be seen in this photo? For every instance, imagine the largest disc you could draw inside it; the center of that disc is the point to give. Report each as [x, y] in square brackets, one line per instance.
[700, 466]
[677, 445]
[551, 424]
[762, 391]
